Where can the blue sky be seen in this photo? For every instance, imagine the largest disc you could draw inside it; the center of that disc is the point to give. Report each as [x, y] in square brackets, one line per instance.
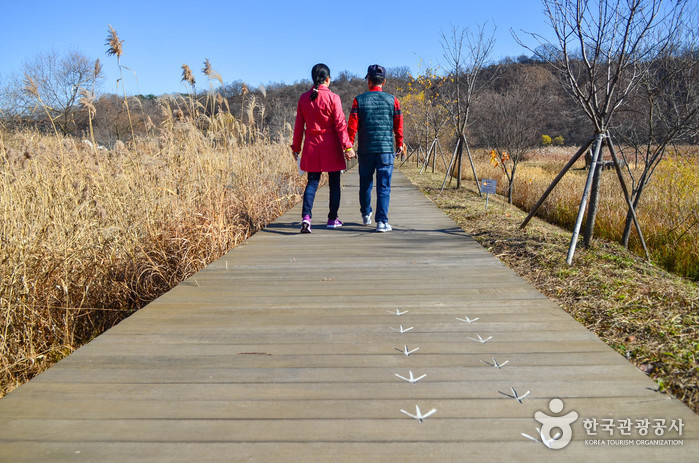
[258, 43]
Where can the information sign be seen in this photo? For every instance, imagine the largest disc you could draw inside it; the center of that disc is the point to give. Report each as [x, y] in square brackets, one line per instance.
[488, 186]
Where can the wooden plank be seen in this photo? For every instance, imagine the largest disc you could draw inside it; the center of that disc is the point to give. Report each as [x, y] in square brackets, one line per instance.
[441, 430]
[245, 360]
[300, 390]
[340, 452]
[205, 408]
[98, 374]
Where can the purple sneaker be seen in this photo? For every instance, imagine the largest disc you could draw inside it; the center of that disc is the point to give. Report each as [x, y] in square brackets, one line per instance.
[306, 224]
[334, 223]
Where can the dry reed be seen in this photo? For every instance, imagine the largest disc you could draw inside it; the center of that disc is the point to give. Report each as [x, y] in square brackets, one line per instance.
[115, 47]
[83, 248]
[668, 210]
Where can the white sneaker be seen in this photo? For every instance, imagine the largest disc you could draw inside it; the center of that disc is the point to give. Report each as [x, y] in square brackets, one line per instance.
[367, 219]
[383, 227]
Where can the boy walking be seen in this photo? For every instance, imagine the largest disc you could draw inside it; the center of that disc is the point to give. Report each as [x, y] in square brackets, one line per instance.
[377, 119]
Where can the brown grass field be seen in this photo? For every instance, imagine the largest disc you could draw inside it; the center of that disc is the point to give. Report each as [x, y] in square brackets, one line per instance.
[90, 235]
[668, 211]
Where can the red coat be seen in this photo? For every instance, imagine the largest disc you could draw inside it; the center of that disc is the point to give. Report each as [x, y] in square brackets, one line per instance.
[322, 127]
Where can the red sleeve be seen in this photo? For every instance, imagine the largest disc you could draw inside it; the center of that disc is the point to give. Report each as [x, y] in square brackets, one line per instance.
[398, 124]
[298, 129]
[353, 123]
[340, 123]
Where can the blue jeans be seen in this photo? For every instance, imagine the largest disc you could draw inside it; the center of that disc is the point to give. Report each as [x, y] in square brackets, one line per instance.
[309, 193]
[382, 164]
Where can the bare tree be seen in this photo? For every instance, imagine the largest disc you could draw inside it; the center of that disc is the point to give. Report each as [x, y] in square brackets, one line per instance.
[10, 94]
[510, 120]
[602, 49]
[663, 111]
[465, 57]
[58, 82]
[113, 122]
[426, 119]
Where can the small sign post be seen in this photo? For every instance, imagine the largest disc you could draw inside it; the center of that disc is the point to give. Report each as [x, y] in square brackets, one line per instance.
[488, 186]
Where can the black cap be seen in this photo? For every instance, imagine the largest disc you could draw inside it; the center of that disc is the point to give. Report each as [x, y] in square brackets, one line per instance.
[375, 71]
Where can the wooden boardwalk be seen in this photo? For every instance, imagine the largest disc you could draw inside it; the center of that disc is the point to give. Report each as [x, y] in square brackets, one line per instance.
[288, 347]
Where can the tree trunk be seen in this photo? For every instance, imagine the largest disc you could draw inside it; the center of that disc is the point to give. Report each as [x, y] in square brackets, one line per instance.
[451, 166]
[629, 216]
[458, 165]
[434, 154]
[583, 201]
[592, 208]
[510, 188]
[473, 167]
[511, 184]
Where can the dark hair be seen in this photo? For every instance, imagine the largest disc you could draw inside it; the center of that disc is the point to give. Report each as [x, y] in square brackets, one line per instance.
[376, 80]
[319, 73]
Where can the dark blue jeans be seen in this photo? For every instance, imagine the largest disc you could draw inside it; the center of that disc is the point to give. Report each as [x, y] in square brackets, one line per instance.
[309, 194]
[382, 164]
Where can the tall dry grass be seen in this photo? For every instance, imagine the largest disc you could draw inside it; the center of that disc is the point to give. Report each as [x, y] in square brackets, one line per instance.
[668, 211]
[90, 235]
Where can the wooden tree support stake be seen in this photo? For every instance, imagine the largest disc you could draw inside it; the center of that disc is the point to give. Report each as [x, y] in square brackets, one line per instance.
[555, 181]
[617, 167]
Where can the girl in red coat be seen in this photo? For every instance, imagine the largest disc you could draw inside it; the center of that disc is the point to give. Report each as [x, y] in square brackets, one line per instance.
[321, 124]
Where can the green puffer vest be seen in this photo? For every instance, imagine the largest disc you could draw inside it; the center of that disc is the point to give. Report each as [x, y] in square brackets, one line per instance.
[375, 115]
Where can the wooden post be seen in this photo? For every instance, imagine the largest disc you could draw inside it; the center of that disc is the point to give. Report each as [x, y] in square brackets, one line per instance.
[555, 181]
[432, 150]
[451, 164]
[441, 154]
[473, 168]
[617, 167]
[592, 208]
[410, 150]
[458, 164]
[583, 201]
[434, 153]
